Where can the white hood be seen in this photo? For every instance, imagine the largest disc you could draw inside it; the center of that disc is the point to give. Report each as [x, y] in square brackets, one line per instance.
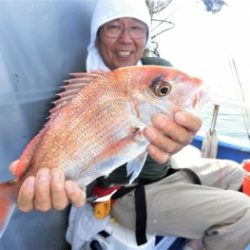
[107, 10]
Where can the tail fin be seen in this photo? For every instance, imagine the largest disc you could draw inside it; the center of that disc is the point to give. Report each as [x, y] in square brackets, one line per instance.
[7, 204]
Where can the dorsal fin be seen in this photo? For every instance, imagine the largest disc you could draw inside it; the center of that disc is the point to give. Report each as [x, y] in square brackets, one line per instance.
[72, 88]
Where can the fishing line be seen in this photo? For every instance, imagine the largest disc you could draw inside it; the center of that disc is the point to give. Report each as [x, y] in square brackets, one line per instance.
[246, 115]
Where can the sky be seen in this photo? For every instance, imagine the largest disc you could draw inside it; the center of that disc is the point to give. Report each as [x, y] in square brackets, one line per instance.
[204, 43]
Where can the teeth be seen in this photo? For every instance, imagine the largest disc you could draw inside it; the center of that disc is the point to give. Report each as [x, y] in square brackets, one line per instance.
[124, 53]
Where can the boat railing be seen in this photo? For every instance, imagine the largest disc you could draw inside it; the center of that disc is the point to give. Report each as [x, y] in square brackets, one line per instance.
[214, 146]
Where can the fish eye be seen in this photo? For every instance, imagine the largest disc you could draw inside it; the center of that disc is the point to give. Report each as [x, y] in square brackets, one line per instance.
[161, 88]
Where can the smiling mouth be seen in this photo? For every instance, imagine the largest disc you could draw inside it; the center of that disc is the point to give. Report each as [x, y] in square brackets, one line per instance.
[124, 53]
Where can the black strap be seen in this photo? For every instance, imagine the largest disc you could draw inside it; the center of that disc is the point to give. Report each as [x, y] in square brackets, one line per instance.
[141, 214]
[122, 191]
[140, 210]
[140, 206]
[140, 202]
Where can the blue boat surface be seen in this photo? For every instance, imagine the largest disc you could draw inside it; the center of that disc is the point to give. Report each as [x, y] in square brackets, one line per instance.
[227, 149]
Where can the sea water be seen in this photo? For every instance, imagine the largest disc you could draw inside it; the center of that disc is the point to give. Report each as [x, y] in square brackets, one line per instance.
[231, 124]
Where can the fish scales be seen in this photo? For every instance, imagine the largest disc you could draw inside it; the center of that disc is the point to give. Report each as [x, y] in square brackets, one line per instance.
[97, 123]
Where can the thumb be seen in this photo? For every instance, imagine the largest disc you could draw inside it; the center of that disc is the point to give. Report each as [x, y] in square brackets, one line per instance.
[12, 167]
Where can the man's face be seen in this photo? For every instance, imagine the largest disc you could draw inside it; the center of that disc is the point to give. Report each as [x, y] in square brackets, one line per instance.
[121, 42]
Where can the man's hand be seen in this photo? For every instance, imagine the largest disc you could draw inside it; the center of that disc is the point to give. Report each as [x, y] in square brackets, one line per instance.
[48, 189]
[168, 136]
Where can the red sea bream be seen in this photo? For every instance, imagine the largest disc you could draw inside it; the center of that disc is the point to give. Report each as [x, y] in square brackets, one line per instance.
[97, 125]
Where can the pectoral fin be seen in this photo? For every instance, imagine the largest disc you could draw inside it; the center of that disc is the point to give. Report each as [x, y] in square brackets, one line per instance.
[135, 166]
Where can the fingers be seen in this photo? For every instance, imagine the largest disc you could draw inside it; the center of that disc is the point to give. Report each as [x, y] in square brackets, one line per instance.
[35, 192]
[162, 141]
[42, 201]
[49, 190]
[76, 195]
[26, 195]
[13, 166]
[59, 199]
[157, 154]
[168, 136]
[188, 120]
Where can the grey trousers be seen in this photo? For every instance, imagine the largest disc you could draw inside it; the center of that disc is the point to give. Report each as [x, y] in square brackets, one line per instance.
[213, 211]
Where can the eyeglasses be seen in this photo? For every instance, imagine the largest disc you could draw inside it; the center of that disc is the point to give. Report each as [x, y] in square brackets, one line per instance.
[114, 30]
